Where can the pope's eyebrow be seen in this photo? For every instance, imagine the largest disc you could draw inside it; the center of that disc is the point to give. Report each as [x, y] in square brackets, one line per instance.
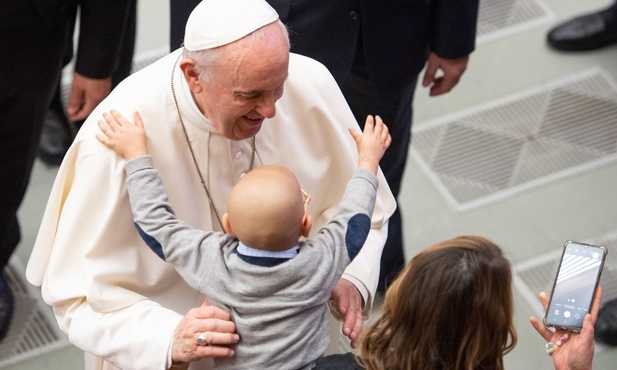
[248, 93]
[252, 93]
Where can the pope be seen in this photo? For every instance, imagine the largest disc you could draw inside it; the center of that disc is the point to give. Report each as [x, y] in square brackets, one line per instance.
[232, 99]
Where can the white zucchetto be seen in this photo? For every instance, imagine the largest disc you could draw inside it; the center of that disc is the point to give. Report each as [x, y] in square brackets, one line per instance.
[215, 23]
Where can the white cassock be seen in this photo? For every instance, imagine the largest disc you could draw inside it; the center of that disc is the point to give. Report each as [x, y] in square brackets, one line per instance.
[116, 299]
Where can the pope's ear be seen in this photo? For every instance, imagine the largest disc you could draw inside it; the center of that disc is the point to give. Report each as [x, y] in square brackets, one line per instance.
[227, 225]
[191, 74]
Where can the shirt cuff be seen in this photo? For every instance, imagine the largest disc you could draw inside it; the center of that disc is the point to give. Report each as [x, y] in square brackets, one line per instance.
[170, 363]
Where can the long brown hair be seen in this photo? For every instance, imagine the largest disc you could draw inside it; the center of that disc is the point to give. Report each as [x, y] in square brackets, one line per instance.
[451, 308]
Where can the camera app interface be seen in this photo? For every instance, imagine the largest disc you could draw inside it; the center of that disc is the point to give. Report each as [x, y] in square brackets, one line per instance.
[575, 285]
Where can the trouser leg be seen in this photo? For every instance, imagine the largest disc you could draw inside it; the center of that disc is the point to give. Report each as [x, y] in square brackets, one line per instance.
[30, 65]
[396, 111]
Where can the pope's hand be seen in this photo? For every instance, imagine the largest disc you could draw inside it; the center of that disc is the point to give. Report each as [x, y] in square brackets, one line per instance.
[218, 331]
[348, 302]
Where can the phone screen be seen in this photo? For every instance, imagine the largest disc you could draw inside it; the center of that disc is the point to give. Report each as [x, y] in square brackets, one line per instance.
[579, 273]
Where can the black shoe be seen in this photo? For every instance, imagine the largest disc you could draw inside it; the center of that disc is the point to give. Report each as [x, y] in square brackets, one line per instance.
[587, 32]
[56, 138]
[6, 306]
[606, 324]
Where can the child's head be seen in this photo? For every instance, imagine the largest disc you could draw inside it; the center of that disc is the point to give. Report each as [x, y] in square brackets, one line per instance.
[266, 209]
[451, 307]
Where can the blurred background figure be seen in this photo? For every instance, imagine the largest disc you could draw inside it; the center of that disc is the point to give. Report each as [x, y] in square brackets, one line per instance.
[606, 324]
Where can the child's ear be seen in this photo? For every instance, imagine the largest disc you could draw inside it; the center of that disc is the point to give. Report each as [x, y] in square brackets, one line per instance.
[307, 223]
[227, 225]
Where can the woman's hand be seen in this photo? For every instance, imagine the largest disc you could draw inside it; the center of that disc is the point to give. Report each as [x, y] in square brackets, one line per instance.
[576, 349]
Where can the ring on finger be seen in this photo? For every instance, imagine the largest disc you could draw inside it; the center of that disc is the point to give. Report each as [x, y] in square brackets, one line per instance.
[201, 340]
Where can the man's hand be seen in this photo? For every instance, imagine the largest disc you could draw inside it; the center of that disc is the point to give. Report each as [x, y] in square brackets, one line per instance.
[348, 302]
[452, 70]
[217, 328]
[86, 94]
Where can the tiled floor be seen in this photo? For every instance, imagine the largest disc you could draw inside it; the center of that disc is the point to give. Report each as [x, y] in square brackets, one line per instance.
[534, 221]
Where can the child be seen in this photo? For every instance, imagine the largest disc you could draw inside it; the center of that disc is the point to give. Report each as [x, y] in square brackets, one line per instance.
[275, 286]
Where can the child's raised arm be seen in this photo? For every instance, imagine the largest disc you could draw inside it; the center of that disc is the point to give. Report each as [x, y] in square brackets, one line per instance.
[125, 138]
[372, 143]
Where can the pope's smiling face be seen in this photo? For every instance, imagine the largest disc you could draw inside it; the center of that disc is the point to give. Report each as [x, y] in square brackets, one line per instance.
[244, 87]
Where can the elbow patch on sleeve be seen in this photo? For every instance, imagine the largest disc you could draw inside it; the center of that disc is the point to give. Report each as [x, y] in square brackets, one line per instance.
[152, 243]
[357, 230]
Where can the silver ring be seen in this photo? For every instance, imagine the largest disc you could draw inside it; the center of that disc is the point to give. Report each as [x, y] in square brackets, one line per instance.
[201, 340]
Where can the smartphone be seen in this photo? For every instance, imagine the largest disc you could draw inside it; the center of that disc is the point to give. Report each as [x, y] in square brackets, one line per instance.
[577, 277]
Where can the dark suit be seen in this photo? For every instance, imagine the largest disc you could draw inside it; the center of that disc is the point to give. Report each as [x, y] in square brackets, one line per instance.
[33, 35]
[375, 50]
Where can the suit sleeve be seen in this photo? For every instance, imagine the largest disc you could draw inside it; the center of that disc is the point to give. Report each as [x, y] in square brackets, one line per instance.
[101, 28]
[453, 29]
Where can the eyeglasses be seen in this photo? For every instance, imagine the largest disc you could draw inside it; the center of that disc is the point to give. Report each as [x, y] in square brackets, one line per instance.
[307, 199]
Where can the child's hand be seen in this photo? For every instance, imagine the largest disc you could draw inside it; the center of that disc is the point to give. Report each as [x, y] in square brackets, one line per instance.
[122, 136]
[372, 144]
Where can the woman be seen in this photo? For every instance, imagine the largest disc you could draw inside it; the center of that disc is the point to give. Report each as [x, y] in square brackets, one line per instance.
[452, 308]
[456, 299]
